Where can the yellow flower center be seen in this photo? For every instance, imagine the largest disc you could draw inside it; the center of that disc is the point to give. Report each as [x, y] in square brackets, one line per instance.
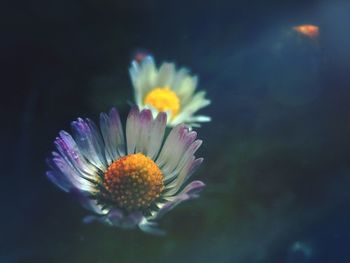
[163, 99]
[134, 181]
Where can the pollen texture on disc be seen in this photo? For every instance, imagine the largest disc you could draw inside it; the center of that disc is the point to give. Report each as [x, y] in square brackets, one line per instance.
[133, 181]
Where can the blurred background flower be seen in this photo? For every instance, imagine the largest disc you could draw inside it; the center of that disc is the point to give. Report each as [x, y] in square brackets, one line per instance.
[169, 90]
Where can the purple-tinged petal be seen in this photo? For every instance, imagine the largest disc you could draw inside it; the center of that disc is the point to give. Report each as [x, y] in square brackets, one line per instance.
[189, 192]
[146, 121]
[195, 165]
[112, 132]
[132, 129]
[193, 188]
[171, 144]
[87, 202]
[157, 135]
[184, 175]
[175, 148]
[74, 158]
[59, 180]
[110, 145]
[89, 142]
[118, 219]
[132, 220]
[186, 158]
[116, 125]
[186, 139]
[151, 227]
[112, 218]
[90, 218]
[64, 171]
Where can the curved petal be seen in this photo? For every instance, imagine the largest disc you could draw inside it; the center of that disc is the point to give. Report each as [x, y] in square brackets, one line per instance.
[143, 76]
[117, 218]
[186, 88]
[185, 159]
[132, 129]
[113, 136]
[197, 102]
[175, 146]
[166, 74]
[156, 135]
[60, 181]
[70, 152]
[170, 141]
[144, 134]
[189, 192]
[145, 126]
[87, 202]
[67, 177]
[151, 227]
[181, 74]
[90, 142]
[185, 174]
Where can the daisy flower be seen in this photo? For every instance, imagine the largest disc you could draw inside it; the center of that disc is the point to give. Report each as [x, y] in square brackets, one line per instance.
[169, 90]
[128, 182]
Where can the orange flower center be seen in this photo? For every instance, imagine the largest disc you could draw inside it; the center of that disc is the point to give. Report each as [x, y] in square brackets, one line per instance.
[163, 99]
[134, 181]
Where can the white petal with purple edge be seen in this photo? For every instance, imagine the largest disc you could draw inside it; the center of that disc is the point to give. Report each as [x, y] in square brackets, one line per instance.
[113, 136]
[132, 130]
[145, 124]
[189, 192]
[184, 175]
[72, 155]
[175, 149]
[76, 179]
[170, 142]
[89, 142]
[186, 158]
[151, 227]
[156, 135]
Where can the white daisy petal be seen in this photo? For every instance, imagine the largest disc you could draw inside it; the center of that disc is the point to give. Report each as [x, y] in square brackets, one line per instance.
[145, 125]
[68, 173]
[181, 74]
[186, 157]
[89, 142]
[194, 105]
[72, 155]
[178, 150]
[151, 227]
[185, 173]
[200, 118]
[132, 130]
[189, 192]
[166, 74]
[59, 180]
[113, 136]
[170, 142]
[186, 88]
[88, 203]
[143, 77]
[156, 135]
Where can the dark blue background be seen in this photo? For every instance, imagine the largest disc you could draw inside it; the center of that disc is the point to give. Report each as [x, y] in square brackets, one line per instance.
[277, 161]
